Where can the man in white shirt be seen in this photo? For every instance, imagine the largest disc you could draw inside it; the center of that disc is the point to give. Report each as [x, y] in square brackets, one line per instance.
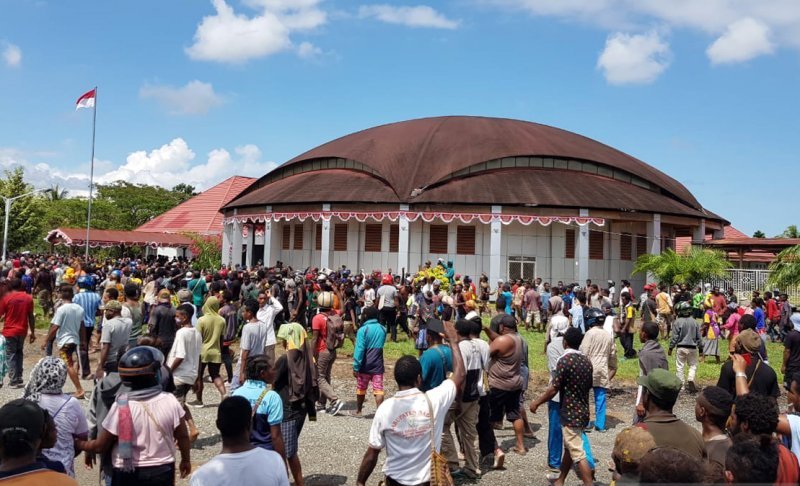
[184, 360]
[403, 424]
[239, 462]
[268, 309]
[369, 294]
[65, 330]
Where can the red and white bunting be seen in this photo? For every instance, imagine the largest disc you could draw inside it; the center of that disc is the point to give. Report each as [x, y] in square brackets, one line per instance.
[411, 216]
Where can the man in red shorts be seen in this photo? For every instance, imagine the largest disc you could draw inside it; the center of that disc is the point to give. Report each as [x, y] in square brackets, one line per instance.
[368, 358]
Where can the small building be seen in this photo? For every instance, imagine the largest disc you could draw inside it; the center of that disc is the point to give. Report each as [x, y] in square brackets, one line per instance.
[511, 198]
[75, 240]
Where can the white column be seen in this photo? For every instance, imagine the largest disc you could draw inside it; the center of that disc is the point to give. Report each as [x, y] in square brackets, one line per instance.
[699, 233]
[582, 249]
[249, 242]
[227, 244]
[402, 244]
[326, 240]
[495, 247]
[237, 244]
[267, 259]
[654, 235]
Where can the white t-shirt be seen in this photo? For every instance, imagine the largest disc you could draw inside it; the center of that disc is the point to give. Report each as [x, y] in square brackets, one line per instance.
[70, 422]
[402, 425]
[187, 345]
[254, 338]
[476, 357]
[69, 319]
[256, 466]
[267, 315]
[369, 297]
[388, 292]
[794, 425]
[608, 325]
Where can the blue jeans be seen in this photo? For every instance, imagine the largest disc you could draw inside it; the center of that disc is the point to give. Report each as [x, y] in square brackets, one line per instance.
[600, 408]
[555, 438]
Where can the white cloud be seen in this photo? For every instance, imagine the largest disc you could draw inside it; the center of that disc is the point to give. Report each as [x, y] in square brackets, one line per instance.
[417, 16]
[12, 54]
[196, 98]
[743, 40]
[752, 28]
[166, 166]
[236, 38]
[307, 50]
[634, 59]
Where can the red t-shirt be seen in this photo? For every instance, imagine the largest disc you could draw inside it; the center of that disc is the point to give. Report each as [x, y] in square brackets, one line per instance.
[16, 307]
[773, 313]
[320, 323]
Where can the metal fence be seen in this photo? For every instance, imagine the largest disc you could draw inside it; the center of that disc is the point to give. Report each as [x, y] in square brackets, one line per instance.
[745, 281]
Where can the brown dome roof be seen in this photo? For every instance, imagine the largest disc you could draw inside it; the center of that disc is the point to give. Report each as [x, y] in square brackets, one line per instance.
[413, 160]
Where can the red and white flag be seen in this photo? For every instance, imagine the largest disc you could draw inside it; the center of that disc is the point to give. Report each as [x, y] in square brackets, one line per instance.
[86, 100]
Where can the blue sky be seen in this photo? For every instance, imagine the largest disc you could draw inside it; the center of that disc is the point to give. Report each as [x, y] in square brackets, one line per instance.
[195, 91]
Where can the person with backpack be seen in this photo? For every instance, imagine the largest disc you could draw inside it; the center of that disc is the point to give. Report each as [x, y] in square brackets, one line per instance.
[368, 359]
[328, 336]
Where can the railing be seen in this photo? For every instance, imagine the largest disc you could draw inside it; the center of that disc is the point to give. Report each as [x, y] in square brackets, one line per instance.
[745, 281]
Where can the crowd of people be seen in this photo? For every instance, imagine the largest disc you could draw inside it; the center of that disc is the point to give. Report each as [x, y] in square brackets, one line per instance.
[159, 331]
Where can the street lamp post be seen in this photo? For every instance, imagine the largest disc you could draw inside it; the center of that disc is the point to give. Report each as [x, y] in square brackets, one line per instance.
[9, 201]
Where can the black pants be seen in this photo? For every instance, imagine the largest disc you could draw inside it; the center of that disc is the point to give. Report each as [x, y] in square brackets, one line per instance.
[626, 340]
[150, 476]
[227, 360]
[388, 317]
[84, 351]
[486, 439]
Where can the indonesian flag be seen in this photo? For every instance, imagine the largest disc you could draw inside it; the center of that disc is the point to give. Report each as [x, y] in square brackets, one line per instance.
[86, 100]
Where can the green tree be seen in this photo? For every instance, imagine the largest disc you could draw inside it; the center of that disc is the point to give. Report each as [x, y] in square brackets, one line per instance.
[71, 213]
[785, 269]
[183, 188]
[759, 234]
[25, 218]
[56, 193]
[790, 232]
[690, 267]
[206, 251]
[139, 203]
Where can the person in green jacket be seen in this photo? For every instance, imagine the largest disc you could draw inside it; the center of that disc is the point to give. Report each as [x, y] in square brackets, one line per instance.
[368, 359]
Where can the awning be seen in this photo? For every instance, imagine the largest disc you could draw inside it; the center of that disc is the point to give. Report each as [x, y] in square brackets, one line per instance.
[108, 238]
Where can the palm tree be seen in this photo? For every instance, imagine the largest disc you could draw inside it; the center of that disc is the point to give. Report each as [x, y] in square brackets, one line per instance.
[692, 266]
[790, 232]
[56, 193]
[785, 269]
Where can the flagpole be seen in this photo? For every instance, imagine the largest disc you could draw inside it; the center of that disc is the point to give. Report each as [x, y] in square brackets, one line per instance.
[91, 177]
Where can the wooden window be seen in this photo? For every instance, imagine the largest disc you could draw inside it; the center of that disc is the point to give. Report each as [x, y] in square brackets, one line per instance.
[465, 240]
[569, 248]
[641, 245]
[286, 237]
[438, 239]
[596, 245]
[318, 236]
[394, 238]
[373, 233]
[625, 246]
[340, 237]
[298, 237]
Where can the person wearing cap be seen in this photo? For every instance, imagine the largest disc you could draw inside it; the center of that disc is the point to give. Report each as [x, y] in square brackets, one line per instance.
[162, 321]
[630, 447]
[22, 426]
[686, 338]
[388, 303]
[598, 345]
[759, 376]
[661, 390]
[185, 297]
[90, 302]
[114, 339]
[324, 356]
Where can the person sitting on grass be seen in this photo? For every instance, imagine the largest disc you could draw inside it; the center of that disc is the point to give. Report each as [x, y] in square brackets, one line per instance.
[368, 359]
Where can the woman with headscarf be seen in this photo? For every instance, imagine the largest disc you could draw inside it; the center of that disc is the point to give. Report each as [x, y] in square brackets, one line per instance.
[296, 383]
[45, 387]
[211, 327]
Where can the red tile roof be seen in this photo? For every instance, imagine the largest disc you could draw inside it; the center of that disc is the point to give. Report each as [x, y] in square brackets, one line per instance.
[734, 237]
[103, 238]
[199, 214]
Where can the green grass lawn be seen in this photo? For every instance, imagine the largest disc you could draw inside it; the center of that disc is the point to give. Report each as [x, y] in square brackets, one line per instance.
[627, 371]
